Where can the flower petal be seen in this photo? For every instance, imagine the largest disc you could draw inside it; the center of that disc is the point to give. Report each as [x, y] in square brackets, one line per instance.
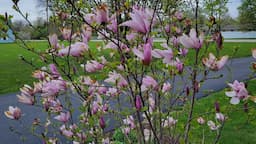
[230, 93]
[234, 100]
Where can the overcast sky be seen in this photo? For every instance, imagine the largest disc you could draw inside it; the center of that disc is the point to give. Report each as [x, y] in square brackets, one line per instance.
[29, 6]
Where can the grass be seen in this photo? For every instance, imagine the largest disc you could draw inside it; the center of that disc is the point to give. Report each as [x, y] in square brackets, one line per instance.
[239, 127]
[14, 72]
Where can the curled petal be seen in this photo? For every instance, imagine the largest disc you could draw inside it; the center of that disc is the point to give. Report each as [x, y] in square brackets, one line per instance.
[230, 93]
[234, 100]
[222, 62]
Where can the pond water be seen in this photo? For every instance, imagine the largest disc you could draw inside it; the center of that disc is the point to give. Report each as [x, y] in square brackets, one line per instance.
[239, 34]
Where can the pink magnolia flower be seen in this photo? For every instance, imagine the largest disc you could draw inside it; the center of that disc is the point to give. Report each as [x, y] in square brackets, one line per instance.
[212, 125]
[39, 74]
[112, 92]
[131, 36]
[112, 23]
[90, 18]
[117, 45]
[166, 87]
[102, 89]
[87, 80]
[52, 104]
[213, 63]
[66, 132]
[54, 70]
[120, 67]
[175, 41]
[220, 117]
[93, 66]
[146, 55]
[178, 15]
[63, 117]
[254, 53]
[27, 95]
[183, 51]
[86, 33]
[167, 28]
[66, 33]
[238, 92]
[53, 87]
[141, 20]
[76, 50]
[169, 122]
[102, 14]
[148, 82]
[200, 120]
[38, 87]
[192, 41]
[105, 107]
[126, 130]
[178, 64]
[13, 113]
[116, 78]
[27, 90]
[30, 100]
[167, 54]
[129, 121]
[26, 99]
[53, 39]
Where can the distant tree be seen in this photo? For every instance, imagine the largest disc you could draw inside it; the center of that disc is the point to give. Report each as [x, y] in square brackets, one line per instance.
[216, 10]
[228, 20]
[247, 15]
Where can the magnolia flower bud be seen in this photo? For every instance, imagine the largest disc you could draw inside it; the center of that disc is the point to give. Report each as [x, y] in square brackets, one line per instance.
[217, 107]
[102, 123]
[187, 91]
[138, 103]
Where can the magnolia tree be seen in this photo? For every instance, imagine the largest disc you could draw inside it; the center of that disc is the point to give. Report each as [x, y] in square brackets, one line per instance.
[126, 77]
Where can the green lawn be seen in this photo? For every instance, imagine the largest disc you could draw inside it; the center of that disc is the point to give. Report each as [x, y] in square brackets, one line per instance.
[239, 127]
[14, 72]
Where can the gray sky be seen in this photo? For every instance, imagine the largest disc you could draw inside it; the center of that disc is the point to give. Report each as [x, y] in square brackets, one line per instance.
[29, 6]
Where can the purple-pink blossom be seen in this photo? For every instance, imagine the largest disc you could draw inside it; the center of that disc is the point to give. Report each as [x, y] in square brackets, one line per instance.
[116, 78]
[53, 39]
[102, 14]
[93, 66]
[13, 113]
[214, 64]
[146, 55]
[192, 41]
[54, 70]
[141, 20]
[166, 87]
[53, 87]
[238, 92]
[63, 117]
[148, 82]
[76, 50]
